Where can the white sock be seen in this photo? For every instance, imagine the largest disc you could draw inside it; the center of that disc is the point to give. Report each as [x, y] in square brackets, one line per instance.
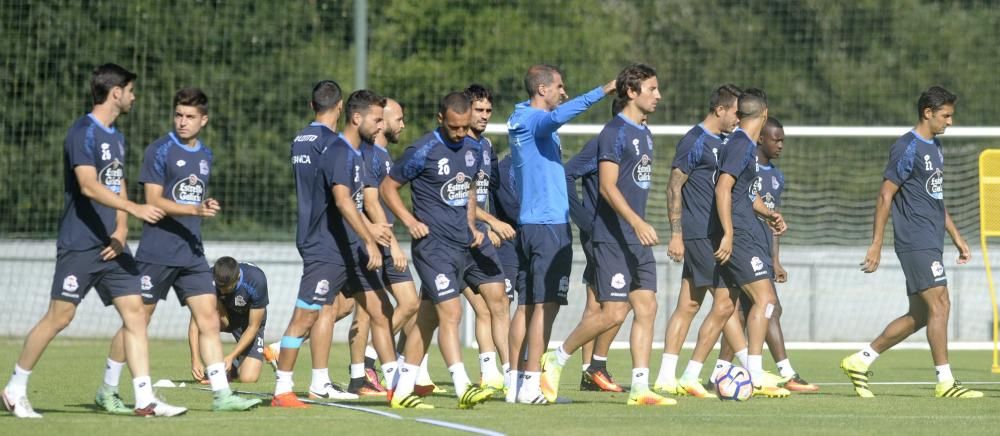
[283, 382]
[370, 352]
[390, 374]
[505, 368]
[18, 384]
[424, 378]
[756, 366]
[868, 355]
[406, 380]
[460, 378]
[357, 370]
[562, 356]
[640, 379]
[585, 366]
[668, 369]
[143, 391]
[742, 356]
[113, 372]
[785, 368]
[692, 371]
[944, 373]
[530, 384]
[320, 377]
[514, 382]
[487, 365]
[217, 376]
[720, 367]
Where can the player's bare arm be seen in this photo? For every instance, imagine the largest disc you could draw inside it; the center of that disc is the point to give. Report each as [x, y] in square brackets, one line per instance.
[256, 317]
[380, 226]
[500, 228]
[117, 243]
[471, 208]
[964, 254]
[607, 173]
[389, 189]
[773, 218]
[882, 202]
[780, 275]
[674, 200]
[91, 188]
[348, 209]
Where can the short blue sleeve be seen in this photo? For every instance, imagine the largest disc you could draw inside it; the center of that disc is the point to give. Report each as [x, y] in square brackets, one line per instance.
[900, 165]
[610, 144]
[409, 166]
[732, 161]
[81, 147]
[153, 165]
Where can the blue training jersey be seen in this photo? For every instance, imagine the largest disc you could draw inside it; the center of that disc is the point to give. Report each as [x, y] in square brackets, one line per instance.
[250, 292]
[583, 166]
[630, 145]
[485, 173]
[769, 185]
[329, 237]
[183, 172]
[87, 224]
[697, 156]
[916, 165]
[537, 152]
[306, 149]
[440, 174]
[378, 163]
[738, 158]
[505, 197]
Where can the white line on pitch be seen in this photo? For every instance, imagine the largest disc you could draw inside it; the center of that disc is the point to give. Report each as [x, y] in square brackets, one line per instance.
[460, 427]
[907, 383]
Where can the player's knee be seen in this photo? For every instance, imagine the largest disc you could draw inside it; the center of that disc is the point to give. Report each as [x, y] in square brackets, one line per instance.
[208, 325]
[60, 318]
[723, 308]
[688, 309]
[250, 376]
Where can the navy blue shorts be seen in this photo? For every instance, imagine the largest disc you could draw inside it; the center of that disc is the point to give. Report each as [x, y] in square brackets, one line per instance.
[622, 269]
[482, 266]
[923, 269]
[545, 256]
[590, 270]
[322, 281]
[78, 271]
[747, 264]
[700, 265]
[440, 265]
[256, 348]
[187, 281]
[507, 252]
[390, 275]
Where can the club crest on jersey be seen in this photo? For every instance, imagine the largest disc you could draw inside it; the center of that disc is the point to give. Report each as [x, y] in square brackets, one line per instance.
[181, 163]
[111, 175]
[482, 186]
[755, 188]
[441, 282]
[189, 190]
[70, 284]
[618, 281]
[935, 185]
[642, 173]
[775, 184]
[937, 269]
[145, 283]
[507, 286]
[564, 287]
[756, 263]
[768, 200]
[470, 158]
[486, 158]
[203, 167]
[239, 301]
[323, 287]
[455, 192]
[105, 151]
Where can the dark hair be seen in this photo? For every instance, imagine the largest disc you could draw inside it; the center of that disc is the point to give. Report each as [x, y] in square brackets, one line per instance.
[724, 96]
[631, 78]
[326, 95]
[361, 100]
[477, 92]
[772, 123]
[538, 75]
[934, 98]
[225, 272]
[457, 102]
[751, 103]
[107, 77]
[617, 106]
[192, 97]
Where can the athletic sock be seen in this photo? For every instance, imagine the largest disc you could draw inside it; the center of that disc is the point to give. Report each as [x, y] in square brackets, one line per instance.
[868, 355]
[692, 371]
[283, 383]
[320, 377]
[424, 378]
[390, 374]
[668, 369]
[460, 378]
[944, 373]
[406, 380]
[756, 366]
[640, 379]
[785, 368]
[217, 376]
[357, 370]
[143, 391]
[720, 367]
[370, 357]
[531, 384]
[487, 365]
[18, 384]
[598, 362]
[562, 356]
[742, 357]
[112, 373]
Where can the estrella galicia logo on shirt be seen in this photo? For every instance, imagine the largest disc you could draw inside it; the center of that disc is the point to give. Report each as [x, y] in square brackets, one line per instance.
[482, 186]
[642, 174]
[935, 185]
[189, 190]
[455, 192]
[111, 175]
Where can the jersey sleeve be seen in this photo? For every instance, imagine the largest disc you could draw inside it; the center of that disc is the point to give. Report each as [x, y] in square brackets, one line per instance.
[548, 122]
[154, 165]
[80, 148]
[409, 165]
[611, 144]
[778, 193]
[683, 159]
[336, 168]
[260, 300]
[731, 159]
[900, 165]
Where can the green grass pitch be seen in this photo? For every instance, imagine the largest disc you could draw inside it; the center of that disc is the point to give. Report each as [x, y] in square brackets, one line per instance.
[64, 382]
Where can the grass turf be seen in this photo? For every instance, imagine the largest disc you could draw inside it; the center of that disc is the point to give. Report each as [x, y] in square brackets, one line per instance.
[63, 384]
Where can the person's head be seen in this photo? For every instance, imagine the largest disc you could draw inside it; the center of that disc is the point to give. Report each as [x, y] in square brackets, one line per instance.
[454, 116]
[190, 113]
[111, 84]
[936, 107]
[617, 106]
[393, 116]
[365, 114]
[226, 273]
[722, 106]
[752, 106]
[772, 138]
[326, 96]
[545, 82]
[482, 107]
[637, 85]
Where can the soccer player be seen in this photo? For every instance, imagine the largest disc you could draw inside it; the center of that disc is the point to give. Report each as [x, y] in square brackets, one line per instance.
[441, 168]
[623, 240]
[507, 206]
[338, 247]
[241, 290]
[545, 238]
[91, 250]
[691, 196]
[395, 270]
[741, 259]
[496, 232]
[583, 166]
[913, 186]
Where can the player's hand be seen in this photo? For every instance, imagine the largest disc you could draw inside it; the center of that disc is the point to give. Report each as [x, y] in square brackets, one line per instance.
[725, 250]
[147, 212]
[228, 360]
[115, 247]
[398, 257]
[197, 371]
[609, 88]
[494, 238]
[208, 208]
[872, 258]
[964, 254]
[675, 249]
[646, 233]
[780, 275]
[418, 230]
[374, 256]
[477, 238]
[777, 223]
[503, 230]
[382, 232]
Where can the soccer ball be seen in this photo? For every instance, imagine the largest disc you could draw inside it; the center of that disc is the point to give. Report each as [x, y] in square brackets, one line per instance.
[734, 384]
